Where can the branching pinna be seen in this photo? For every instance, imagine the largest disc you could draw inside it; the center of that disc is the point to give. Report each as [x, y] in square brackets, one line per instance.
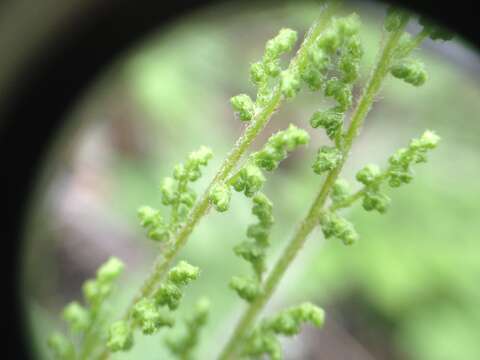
[336, 60]
[328, 61]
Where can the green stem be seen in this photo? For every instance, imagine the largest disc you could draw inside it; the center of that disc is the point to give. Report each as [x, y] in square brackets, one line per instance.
[311, 220]
[417, 40]
[349, 200]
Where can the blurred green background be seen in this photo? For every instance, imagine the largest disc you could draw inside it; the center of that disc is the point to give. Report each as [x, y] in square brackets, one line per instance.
[408, 290]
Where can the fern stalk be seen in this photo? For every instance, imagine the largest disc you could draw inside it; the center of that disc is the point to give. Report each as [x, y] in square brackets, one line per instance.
[164, 261]
[311, 220]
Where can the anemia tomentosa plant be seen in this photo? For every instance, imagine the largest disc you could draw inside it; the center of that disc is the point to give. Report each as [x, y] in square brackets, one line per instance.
[327, 61]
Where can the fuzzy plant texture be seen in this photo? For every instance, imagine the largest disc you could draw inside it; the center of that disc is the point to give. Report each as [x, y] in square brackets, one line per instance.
[326, 62]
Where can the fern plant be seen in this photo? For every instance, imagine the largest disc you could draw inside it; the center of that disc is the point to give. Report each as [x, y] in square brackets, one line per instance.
[327, 62]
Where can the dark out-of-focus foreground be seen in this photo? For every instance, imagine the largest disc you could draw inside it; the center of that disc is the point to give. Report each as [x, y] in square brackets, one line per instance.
[409, 288]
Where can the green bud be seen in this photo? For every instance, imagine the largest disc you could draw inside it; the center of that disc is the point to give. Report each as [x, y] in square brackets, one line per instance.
[272, 67]
[354, 48]
[399, 171]
[350, 70]
[202, 309]
[428, 141]
[259, 343]
[412, 72]
[183, 273]
[368, 174]
[281, 44]
[168, 294]
[290, 83]
[200, 157]
[148, 216]
[188, 198]
[250, 251]
[159, 233]
[120, 337]
[250, 179]
[219, 196]
[77, 317]
[340, 91]
[340, 190]
[394, 19]
[150, 317]
[319, 59]
[257, 73]
[331, 120]
[348, 26]
[335, 226]
[263, 209]
[95, 292]
[399, 177]
[168, 188]
[329, 41]
[289, 321]
[254, 252]
[376, 201]
[61, 346]
[179, 173]
[278, 146]
[259, 232]
[247, 288]
[110, 270]
[327, 159]
[313, 78]
[244, 105]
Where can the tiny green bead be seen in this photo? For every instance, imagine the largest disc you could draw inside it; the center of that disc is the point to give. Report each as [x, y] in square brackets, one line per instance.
[327, 159]
[250, 251]
[290, 83]
[148, 216]
[412, 72]
[76, 316]
[376, 201]
[168, 294]
[168, 189]
[335, 226]
[61, 346]
[244, 106]
[348, 26]
[329, 41]
[219, 196]
[159, 233]
[246, 288]
[394, 19]
[331, 120]
[200, 157]
[120, 337]
[110, 270]
[368, 174]
[282, 43]
[257, 73]
[150, 317]
[183, 273]
[340, 190]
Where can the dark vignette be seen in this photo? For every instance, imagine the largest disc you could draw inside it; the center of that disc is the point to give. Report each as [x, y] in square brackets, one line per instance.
[48, 86]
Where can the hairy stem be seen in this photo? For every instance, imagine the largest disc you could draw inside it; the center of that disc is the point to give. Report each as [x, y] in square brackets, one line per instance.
[349, 200]
[311, 220]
